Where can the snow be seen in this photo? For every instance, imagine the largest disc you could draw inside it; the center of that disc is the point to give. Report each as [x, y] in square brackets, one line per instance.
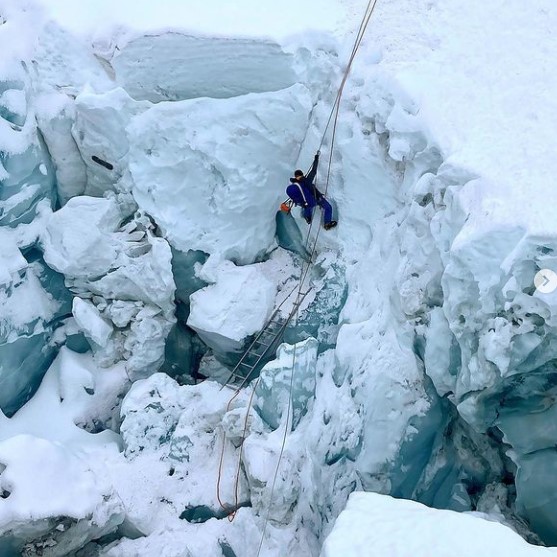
[442, 175]
[172, 437]
[77, 239]
[19, 33]
[236, 305]
[33, 482]
[66, 64]
[89, 319]
[11, 260]
[27, 302]
[75, 392]
[375, 525]
[52, 497]
[14, 101]
[501, 128]
[242, 17]
[54, 485]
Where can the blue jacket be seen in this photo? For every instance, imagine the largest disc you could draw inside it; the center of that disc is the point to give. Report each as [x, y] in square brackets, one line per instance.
[302, 191]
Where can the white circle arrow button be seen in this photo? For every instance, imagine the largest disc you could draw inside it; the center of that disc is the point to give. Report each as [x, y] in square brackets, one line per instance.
[546, 281]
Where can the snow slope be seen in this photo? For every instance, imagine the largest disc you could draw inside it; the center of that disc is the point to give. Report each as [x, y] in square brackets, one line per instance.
[483, 79]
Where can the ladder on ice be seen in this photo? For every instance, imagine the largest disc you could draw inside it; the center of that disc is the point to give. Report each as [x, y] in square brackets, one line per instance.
[265, 343]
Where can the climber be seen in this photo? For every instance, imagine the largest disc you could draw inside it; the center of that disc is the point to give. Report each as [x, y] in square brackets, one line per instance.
[302, 192]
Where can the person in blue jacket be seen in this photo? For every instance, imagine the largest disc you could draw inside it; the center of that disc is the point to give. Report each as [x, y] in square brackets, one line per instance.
[302, 192]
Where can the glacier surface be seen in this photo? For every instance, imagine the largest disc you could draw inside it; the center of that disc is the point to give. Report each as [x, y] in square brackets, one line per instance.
[140, 178]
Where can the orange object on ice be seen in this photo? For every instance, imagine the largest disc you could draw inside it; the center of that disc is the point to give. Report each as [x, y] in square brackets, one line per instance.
[286, 206]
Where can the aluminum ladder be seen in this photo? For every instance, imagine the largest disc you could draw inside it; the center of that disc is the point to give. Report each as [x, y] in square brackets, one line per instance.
[267, 340]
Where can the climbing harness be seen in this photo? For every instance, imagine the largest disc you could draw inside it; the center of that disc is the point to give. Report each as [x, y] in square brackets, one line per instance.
[274, 326]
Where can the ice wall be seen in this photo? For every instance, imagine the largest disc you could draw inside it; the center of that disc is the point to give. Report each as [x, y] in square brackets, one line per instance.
[466, 289]
[207, 169]
[506, 378]
[34, 302]
[175, 66]
[33, 299]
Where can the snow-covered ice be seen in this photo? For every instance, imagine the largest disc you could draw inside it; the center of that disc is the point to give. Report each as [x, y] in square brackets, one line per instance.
[375, 525]
[77, 240]
[236, 304]
[52, 500]
[144, 150]
[207, 169]
[90, 321]
[201, 67]
[123, 270]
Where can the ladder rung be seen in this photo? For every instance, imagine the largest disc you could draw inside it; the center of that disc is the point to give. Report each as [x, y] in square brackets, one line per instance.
[254, 355]
[262, 343]
[270, 333]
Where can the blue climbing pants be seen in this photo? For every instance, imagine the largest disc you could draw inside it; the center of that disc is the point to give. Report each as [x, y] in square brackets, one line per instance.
[307, 212]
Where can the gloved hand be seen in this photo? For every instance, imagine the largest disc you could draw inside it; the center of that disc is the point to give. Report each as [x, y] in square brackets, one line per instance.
[318, 153]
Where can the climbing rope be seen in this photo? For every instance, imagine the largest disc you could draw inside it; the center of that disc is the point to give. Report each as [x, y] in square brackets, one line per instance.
[333, 118]
[358, 41]
[300, 296]
[289, 417]
[334, 112]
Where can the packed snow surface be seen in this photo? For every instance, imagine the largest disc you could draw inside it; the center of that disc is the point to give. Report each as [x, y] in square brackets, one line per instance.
[374, 525]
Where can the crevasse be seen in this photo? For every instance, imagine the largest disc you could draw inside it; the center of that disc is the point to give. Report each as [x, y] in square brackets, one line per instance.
[421, 366]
